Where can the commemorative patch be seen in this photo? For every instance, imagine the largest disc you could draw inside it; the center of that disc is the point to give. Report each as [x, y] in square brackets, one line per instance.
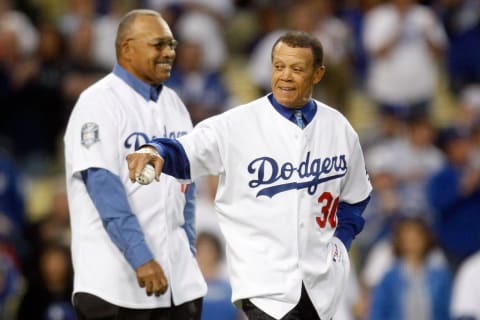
[90, 134]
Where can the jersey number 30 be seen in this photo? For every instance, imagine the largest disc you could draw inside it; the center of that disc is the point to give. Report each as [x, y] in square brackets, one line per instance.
[329, 210]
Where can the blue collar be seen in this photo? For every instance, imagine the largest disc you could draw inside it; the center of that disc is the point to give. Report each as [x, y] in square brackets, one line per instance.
[308, 110]
[144, 89]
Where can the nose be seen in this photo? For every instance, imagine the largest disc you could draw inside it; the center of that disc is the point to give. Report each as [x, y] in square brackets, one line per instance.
[286, 75]
[169, 52]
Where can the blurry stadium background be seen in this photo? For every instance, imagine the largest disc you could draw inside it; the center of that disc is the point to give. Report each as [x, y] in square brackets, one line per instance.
[50, 50]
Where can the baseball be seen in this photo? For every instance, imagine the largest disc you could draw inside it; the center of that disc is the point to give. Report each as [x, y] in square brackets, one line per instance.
[147, 175]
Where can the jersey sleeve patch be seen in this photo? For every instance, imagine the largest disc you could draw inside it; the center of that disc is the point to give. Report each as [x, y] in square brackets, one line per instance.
[90, 134]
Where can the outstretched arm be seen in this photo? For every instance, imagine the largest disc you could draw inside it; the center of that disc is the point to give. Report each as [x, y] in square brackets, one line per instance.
[166, 155]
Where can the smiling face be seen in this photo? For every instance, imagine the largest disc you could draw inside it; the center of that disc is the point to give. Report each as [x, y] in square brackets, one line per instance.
[294, 75]
[148, 50]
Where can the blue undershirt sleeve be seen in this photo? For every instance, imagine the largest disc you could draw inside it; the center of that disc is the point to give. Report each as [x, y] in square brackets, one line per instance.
[109, 197]
[189, 216]
[350, 221]
[176, 162]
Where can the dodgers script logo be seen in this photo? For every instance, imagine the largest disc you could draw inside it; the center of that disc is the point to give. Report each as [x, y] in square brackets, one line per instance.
[268, 171]
[137, 139]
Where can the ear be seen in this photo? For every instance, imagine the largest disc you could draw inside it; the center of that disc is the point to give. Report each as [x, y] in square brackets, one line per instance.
[318, 74]
[127, 50]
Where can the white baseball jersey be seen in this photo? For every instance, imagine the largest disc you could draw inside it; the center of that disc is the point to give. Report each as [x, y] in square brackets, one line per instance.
[109, 121]
[279, 187]
[465, 289]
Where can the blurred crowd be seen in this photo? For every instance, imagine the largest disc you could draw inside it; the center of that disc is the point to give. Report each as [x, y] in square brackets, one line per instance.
[406, 73]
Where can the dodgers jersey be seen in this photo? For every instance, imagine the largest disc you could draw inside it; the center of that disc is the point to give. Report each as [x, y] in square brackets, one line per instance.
[109, 121]
[279, 188]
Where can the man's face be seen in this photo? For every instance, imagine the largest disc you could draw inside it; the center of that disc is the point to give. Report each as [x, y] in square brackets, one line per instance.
[293, 75]
[150, 50]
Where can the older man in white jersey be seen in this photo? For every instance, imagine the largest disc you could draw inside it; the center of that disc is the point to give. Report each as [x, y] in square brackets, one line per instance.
[292, 188]
[132, 247]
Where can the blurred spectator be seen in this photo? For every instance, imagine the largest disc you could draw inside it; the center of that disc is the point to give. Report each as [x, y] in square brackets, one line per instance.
[336, 38]
[8, 46]
[475, 140]
[381, 258]
[15, 71]
[402, 38]
[267, 18]
[353, 13]
[202, 21]
[466, 287]
[77, 12]
[389, 130]
[383, 209]
[160, 5]
[399, 169]
[462, 23]
[31, 92]
[11, 194]
[217, 303]
[39, 103]
[54, 227]
[468, 112]
[454, 194]
[18, 23]
[104, 31]
[414, 287]
[202, 91]
[12, 215]
[413, 159]
[82, 70]
[11, 284]
[12, 221]
[219, 9]
[48, 297]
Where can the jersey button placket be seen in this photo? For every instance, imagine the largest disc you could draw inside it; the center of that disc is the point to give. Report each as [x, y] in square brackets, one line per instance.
[299, 230]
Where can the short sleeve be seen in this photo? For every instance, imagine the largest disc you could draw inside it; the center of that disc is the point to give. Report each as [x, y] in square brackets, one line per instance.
[203, 150]
[92, 135]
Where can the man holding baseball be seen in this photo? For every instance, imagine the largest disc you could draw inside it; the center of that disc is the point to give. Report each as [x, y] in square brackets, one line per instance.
[292, 188]
[132, 247]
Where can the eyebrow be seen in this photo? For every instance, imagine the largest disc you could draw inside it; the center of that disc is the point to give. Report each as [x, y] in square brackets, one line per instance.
[167, 38]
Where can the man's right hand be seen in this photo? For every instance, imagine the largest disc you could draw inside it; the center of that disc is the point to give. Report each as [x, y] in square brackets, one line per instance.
[151, 277]
[139, 159]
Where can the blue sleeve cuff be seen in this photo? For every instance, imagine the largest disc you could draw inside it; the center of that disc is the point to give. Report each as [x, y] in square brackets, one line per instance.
[175, 159]
[345, 236]
[138, 254]
[350, 221]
